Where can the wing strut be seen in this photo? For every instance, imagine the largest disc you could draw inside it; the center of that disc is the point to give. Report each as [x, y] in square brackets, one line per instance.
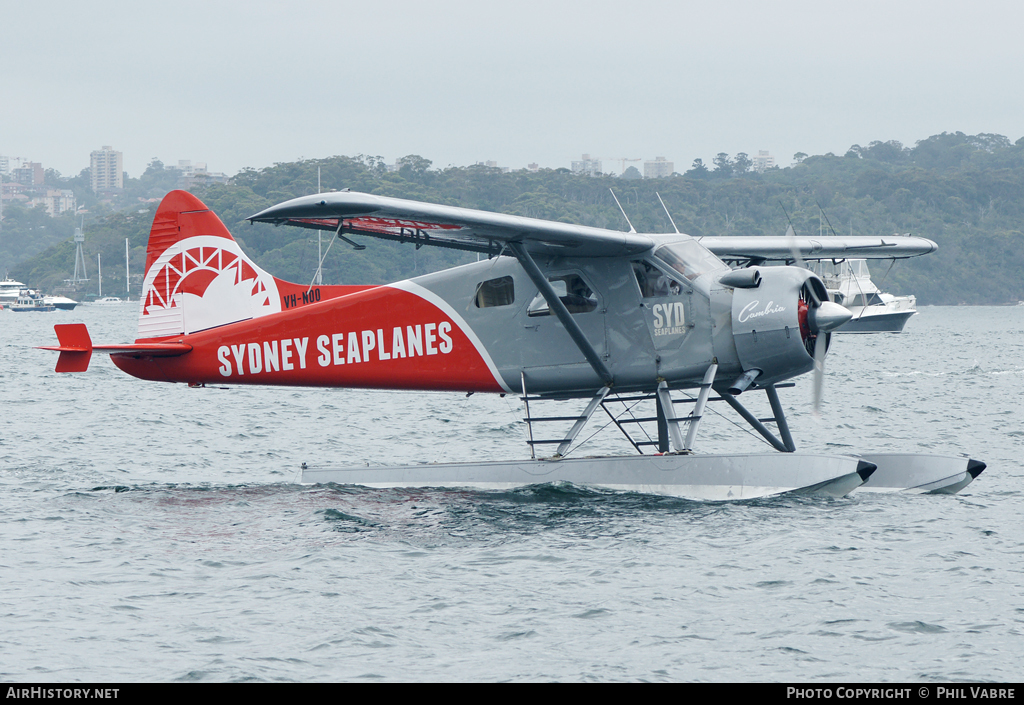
[571, 327]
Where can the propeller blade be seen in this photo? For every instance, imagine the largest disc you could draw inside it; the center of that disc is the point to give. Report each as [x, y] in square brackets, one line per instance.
[820, 348]
[799, 259]
[826, 317]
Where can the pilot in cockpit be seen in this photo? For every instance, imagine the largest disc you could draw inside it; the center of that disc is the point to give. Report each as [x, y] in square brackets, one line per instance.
[684, 269]
[653, 282]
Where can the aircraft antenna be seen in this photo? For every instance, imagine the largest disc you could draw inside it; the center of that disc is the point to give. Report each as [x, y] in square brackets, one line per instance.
[667, 213]
[790, 220]
[791, 236]
[631, 228]
[822, 211]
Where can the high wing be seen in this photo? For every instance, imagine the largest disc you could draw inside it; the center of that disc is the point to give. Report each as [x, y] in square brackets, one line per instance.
[760, 249]
[347, 212]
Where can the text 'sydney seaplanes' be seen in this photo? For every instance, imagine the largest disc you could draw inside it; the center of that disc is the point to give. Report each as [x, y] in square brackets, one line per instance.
[617, 320]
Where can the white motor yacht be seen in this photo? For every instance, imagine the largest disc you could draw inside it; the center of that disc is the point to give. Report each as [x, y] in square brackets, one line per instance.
[849, 283]
[61, 302]
[10, 290]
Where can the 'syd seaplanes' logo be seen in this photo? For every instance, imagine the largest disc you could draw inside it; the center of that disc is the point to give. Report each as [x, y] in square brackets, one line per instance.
[748, 311]
[351, 348]
[669, 319]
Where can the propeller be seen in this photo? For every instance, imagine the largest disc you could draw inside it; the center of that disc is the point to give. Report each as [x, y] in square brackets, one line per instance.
[827, 316]
[823, 317]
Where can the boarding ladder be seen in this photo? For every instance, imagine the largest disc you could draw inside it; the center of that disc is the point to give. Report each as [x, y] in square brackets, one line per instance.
[668, 436]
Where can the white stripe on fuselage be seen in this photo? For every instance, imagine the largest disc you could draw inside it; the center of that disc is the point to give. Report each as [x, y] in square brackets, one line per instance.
[427, 295]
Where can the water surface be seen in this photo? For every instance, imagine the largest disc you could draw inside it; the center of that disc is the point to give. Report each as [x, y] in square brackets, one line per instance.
[153, 532]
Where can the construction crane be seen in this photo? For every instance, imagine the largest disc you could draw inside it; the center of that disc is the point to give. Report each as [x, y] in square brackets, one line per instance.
[622, 162]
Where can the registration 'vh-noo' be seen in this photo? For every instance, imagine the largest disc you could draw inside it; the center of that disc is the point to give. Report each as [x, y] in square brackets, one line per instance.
[614, 319]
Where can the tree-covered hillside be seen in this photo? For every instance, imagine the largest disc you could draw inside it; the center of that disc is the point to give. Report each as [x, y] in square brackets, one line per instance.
[965, 192]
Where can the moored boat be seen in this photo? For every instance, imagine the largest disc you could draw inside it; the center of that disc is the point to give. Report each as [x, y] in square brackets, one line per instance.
[849, 284]
[10, 290]
[61, 302]
[30, 300]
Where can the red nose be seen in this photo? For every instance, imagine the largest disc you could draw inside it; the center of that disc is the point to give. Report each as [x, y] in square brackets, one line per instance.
[801, 314]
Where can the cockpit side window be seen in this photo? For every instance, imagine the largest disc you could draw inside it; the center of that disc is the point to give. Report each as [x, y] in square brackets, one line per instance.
[577, 296]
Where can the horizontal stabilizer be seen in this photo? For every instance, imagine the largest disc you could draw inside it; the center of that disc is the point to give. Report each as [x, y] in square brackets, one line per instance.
[146, 349]
[76, 348]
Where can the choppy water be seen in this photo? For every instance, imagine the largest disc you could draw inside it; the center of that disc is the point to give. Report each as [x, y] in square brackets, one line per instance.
[155, 532]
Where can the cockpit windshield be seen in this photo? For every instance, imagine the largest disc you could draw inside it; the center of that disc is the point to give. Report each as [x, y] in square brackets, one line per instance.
[690, 259]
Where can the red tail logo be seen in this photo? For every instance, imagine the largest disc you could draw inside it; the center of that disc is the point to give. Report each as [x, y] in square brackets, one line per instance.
[197, 277]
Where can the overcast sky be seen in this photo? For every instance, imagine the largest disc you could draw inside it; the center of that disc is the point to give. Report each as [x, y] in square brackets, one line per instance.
[237, 84]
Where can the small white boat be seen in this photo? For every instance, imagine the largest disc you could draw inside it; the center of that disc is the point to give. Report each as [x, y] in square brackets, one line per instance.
[849, 284]
[61, 302]
[106, 300]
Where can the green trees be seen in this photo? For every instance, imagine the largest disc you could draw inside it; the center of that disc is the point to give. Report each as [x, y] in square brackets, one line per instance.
[723, 166]
[698, 170]
[742, 163]
[966, 192]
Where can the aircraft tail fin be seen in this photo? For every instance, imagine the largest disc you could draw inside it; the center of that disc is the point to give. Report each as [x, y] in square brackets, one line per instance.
[197, 276]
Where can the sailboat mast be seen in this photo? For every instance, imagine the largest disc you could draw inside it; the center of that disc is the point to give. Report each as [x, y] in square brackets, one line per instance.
[319, 242]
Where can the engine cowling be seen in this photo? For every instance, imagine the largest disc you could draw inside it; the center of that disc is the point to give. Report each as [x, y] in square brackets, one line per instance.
[775, 324]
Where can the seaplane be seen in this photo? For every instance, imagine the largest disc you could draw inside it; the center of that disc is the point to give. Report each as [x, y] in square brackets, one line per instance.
[600, 319]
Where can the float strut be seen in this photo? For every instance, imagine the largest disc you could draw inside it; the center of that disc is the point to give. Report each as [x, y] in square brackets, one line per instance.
[780, 418]
[758, 426]
[667, 409]
[698, 410]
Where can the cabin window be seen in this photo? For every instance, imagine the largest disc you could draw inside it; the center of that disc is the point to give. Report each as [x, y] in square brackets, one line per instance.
[653, 282]
[495, 292]
[571, 290]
